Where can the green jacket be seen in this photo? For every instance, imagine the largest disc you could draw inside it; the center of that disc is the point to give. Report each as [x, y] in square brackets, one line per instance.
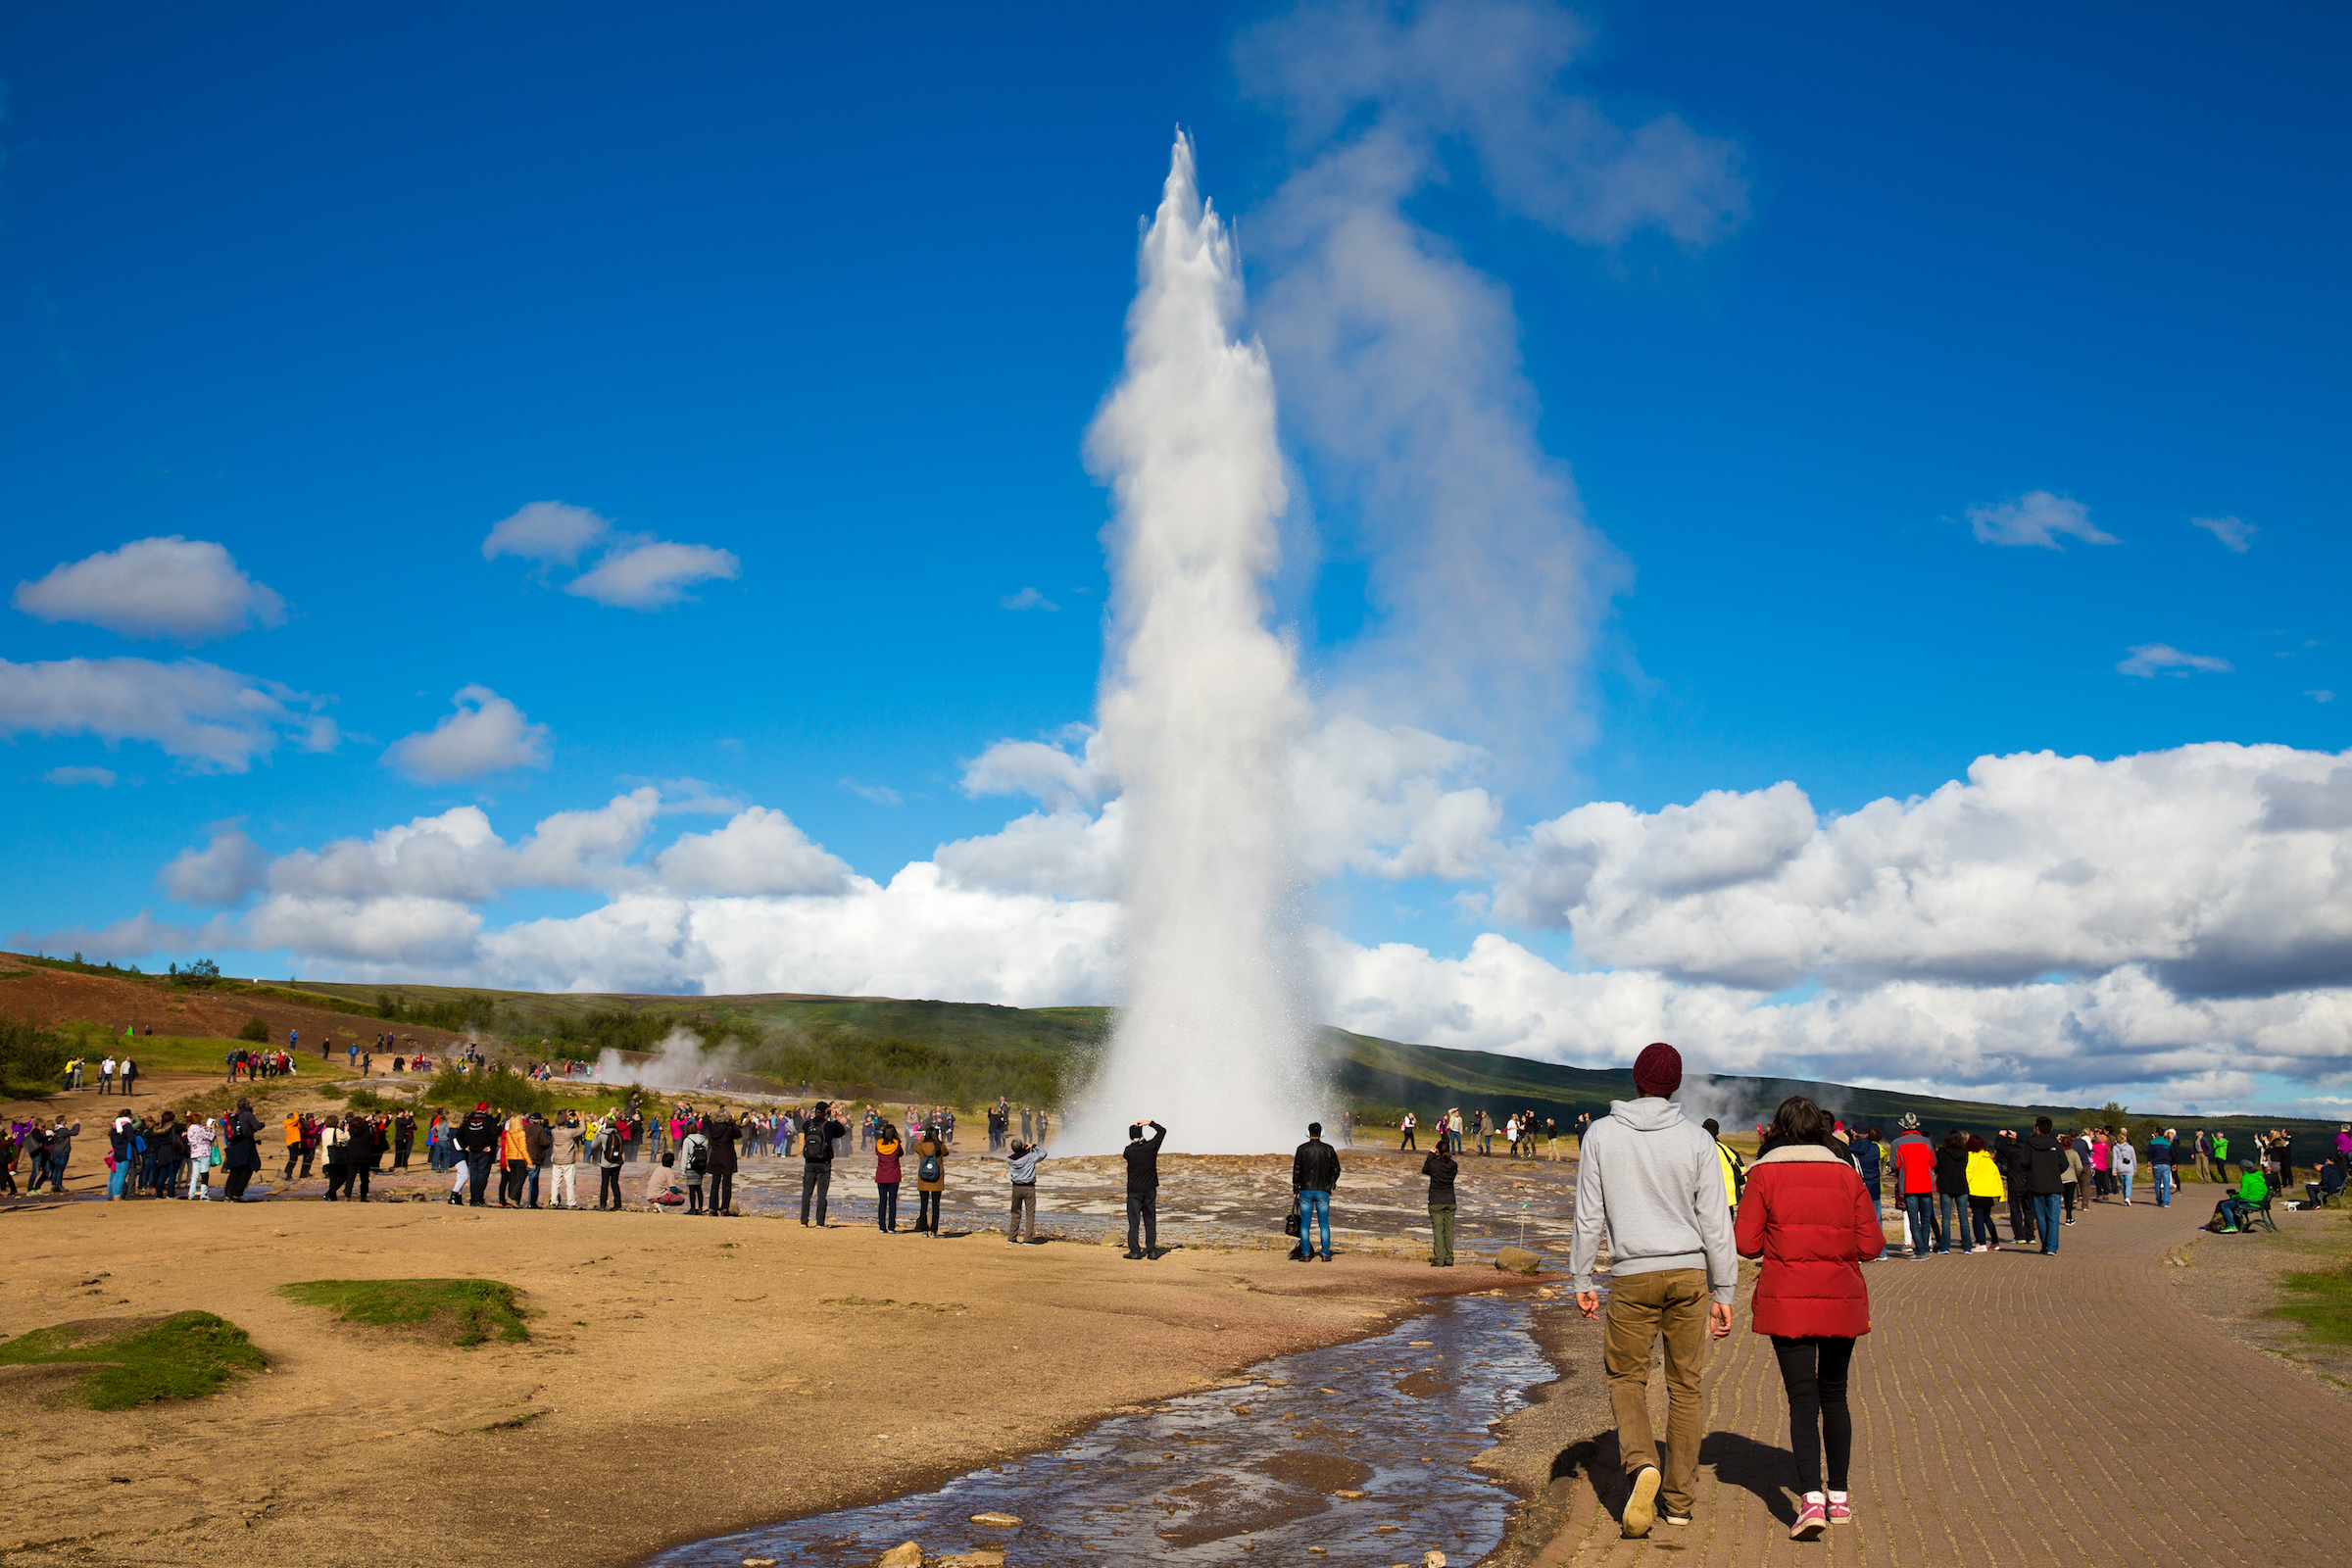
[2252, 1187]
[2221, 1148]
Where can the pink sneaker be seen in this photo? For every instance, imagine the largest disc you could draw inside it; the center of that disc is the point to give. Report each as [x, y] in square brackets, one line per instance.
[1842, 1512]
[1811, 1520]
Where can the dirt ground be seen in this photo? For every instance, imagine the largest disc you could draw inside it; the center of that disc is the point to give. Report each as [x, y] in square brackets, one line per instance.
[685, 1376]
[53, 997]
[2232, 1280]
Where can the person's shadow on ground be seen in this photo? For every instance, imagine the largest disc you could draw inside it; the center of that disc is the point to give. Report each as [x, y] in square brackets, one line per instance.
[1736, 1460]
[1765, 1469]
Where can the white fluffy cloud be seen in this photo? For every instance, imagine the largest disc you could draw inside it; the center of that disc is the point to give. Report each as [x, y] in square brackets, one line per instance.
[103, 777]
[637, 572]
[2036, 517]
[759, 852]
[653, 573]
[1065, 853]
[215, 720]
[544, 531]
[185, 590]
[2222, 870]
[228, 868]
[488, 734]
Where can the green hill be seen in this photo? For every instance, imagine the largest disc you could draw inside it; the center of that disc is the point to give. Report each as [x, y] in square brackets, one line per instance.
[964, 1052]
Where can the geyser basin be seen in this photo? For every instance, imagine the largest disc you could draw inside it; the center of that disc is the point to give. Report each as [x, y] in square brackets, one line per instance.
[1263, 1467]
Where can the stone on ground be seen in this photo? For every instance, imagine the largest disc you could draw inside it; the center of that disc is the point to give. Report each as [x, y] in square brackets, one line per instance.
[1518, 1260]
[996, 1521]
[906, 1555]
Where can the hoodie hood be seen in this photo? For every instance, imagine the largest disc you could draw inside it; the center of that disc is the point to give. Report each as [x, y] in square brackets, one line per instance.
[1648, 1114]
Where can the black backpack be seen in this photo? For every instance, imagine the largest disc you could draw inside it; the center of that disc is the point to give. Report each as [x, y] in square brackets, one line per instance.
[698, 1159]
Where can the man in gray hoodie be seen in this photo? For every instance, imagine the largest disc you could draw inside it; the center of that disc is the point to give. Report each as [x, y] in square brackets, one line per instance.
[1655, 1183]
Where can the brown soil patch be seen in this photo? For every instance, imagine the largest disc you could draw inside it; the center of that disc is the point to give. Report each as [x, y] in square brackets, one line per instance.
[2232, 1280]
[62, 995]
[594, 1441]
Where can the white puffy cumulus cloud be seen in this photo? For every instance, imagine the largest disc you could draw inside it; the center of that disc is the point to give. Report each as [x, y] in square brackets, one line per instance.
[212, 720]
[916, 936]
[637, 572]
[183, 590]
[2221, 869]
[485, 734]
[2124, 1031]
[759, 852]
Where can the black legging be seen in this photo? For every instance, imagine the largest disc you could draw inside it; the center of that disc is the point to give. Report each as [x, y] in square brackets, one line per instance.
[2068, 1188]
[234, 1191]
[886, 1205]
[608, 1185]
[722, 1191]
[926, 1211]
[1980, 1217]
[1813, 1371]
[338, 1177]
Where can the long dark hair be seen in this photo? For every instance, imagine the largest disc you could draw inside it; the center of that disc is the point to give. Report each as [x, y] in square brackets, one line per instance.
[1798, 1121]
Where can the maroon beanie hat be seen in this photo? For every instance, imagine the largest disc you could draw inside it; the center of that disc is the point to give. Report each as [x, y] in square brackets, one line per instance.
[1658, 1070]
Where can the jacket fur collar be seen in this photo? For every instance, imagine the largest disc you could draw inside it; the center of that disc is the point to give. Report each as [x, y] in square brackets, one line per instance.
[1792, 1154]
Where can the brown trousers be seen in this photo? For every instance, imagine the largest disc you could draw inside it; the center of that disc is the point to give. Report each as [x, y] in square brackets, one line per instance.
[1670, 1304]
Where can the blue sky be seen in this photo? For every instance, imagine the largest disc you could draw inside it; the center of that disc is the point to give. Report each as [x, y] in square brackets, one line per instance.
[837, 296]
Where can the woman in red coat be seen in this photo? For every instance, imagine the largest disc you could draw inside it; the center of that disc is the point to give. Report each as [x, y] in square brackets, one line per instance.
[1807, 1215]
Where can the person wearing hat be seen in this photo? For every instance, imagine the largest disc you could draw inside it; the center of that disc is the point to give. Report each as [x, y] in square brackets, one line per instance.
[477, 1136]
[1653, 1182]
[1915, 1186]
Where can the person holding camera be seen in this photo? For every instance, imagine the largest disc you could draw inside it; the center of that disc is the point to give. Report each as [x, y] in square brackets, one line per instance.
[1143, 1188]
[816, 1160]
[1021, 1168]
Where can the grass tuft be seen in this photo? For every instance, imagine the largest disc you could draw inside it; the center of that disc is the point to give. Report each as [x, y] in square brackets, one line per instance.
[476, 1308]
[2325, 1306]
[184, 1357]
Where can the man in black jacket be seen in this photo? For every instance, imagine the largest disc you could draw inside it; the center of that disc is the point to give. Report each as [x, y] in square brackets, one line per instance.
[2045, 1176]
[2009, 1157]
[1143, 1188]
[478, 1135]
[1314, 1172]
[816, 1161]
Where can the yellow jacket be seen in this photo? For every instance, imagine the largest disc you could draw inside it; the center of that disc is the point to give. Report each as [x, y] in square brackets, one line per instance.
[1983, 1176]
[513, 1144]
[1731, 1179]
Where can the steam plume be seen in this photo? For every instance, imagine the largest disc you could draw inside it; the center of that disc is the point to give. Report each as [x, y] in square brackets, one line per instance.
[1199, 710]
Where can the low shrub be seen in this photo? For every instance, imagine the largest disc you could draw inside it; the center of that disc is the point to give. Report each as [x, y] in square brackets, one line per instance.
[255, 1030]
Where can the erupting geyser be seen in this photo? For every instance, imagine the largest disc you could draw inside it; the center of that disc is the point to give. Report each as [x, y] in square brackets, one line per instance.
[1199, 711]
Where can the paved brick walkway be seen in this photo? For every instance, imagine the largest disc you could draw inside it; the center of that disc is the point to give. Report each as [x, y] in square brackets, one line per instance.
[2015, 1408]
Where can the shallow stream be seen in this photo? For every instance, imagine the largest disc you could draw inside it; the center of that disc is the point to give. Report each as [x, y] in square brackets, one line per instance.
[1361, 1449]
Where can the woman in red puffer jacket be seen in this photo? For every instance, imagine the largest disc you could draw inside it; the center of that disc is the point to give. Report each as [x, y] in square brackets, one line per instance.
[1807, 1215]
